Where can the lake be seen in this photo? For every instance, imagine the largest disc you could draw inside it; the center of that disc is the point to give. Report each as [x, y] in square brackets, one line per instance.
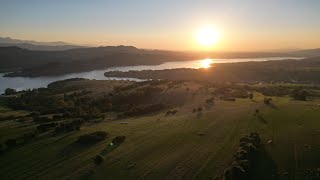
[22, 83]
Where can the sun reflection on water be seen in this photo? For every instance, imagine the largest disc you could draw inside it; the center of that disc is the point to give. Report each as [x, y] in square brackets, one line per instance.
[206, 63]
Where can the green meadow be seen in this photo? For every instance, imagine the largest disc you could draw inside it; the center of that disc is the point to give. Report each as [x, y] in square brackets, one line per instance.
[184, 145]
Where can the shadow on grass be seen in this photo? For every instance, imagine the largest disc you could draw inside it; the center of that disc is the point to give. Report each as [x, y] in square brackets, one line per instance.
[264, 166]
[75, 148]
[273, 106]
[261, 118]
[71, 149]
[117, 141]
[63, 136]
[199, 115]
[109, 148]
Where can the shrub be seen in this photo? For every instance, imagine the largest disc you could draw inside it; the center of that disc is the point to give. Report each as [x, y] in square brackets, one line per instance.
[199, 109]
[210, 100]
[118, 140]
[98, 159]
[69, 126]
[92, 138]
[46, 127]
[229, 98]
[172, 112]
[238, 93]
[221, 91]
[243, 161]
[267, 100]
[57, 117]
[34, 115]
[251, 96]
[144, 109]
[272, 90]
[10, 143]
[9, 91]
[299, 94]
[42, 119]
[29, 136]
[1, 149]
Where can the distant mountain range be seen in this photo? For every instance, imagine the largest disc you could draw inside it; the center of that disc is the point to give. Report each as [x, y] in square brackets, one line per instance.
[25, 62]
[31, 58]
[18, 41]
[37, 46]
[307, 52]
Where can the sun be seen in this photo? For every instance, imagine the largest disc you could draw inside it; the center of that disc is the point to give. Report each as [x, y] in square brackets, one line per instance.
[207, 37]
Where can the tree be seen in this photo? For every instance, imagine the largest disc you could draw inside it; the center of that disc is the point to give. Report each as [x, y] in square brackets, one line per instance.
[118, 140]
[9, 91]
[299, 94]
[267, 100]
[92, 138]
[109, 106]
[1, 149]
[10, 143]
[251, 96]
[98, 159]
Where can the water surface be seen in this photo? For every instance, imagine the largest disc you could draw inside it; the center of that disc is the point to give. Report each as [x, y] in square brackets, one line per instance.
[22, 83]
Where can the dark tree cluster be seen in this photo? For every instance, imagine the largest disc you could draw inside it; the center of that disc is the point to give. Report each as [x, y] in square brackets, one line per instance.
[98, 159]
[267, 100]
[173, 112]
[227, 98]
[92, 138]
[11, 143]
[118, 140]
[46, 127]
[210, 100]
[312, 174]
[299, 94]
[239, 93]
[9, 91]
[39, 100]
[228, 91]
[19, 141]
[244, 158]
[143, 109]
[45, 101]
[199, 109]
[61, 83]
[65, 127]
[1, 149]
[134, 97]
[61, 104]
[272, 90]
[250, 96]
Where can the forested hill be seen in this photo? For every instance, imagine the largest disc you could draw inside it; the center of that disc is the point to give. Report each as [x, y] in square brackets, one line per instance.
[303, 71]
[29, 63]
[36, 63]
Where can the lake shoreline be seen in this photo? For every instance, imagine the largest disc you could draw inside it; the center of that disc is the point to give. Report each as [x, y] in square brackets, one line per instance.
[23, 83]
[35, 74]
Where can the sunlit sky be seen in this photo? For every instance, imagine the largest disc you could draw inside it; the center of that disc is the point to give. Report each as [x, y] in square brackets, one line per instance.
[243, 25]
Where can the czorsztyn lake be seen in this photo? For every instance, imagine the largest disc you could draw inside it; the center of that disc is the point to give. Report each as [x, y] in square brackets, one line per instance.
[22, 83]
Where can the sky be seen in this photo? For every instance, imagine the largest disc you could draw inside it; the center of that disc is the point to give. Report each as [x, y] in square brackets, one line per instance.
[243, 25]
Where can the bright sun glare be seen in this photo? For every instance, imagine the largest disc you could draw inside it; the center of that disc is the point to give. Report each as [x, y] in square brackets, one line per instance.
[208, 36]
[206, 63]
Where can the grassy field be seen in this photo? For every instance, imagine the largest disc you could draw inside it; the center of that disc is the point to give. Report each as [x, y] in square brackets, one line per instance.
[182, 146]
